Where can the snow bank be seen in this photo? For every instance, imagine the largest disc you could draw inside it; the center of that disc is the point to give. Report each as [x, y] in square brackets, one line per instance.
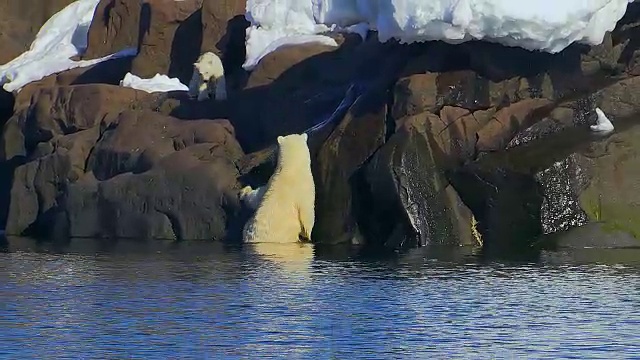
[280, 23]
[158, 83]
[63, 36]
[546, 25]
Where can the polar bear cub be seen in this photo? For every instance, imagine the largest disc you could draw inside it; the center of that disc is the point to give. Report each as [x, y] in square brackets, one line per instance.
[208, 79]
[286, 211]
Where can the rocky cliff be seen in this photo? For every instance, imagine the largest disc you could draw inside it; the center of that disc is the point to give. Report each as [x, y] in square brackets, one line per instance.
[472, 144]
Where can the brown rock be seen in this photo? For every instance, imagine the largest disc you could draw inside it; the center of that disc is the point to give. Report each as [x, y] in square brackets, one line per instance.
[115, 26]
[457, 137]
[285, 59]
[409, 202]
[415, 94]
[38, 184]
[189, 194]
[138, 140]
[507, 122]
[180, 181]
[620, 100]
[20, 21]
[431, 91]
[63, 110]
[171, 42]
[224, 30]
[355, 139]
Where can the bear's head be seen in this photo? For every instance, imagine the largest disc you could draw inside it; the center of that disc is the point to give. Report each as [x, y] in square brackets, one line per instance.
[292, 147]
[208, 78]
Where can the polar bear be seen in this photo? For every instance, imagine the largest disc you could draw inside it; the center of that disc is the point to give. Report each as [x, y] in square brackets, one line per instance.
[286, 212]
[208, 78]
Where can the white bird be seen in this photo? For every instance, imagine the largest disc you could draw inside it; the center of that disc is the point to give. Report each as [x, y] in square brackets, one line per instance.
[603, 124]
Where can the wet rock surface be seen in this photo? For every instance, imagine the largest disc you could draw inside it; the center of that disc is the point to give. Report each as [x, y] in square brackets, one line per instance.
[471, 144]
[406, 198]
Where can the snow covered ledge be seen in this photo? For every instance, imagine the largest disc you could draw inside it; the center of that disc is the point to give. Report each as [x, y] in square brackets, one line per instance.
[62, 37]
[545, 25]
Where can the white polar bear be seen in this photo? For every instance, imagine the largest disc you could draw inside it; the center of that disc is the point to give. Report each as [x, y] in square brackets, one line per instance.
[208, 78]
[286, 212]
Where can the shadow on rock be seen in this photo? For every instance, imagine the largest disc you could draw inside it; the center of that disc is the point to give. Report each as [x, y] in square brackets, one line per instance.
[185, 48]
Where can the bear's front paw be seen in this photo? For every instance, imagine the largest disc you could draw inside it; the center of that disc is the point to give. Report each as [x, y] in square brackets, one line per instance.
[245, 191]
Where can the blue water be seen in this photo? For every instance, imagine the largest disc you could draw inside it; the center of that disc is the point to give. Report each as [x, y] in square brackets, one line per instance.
[204, 301]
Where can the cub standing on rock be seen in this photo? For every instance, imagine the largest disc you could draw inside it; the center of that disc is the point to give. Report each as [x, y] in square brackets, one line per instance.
[208, 78]
[286, 212]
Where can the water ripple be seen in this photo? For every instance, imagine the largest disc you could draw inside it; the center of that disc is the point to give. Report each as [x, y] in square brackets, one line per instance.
[239, 304]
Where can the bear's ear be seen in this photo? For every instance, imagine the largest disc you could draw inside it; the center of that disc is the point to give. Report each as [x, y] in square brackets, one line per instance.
[305, 136]
[280, 138]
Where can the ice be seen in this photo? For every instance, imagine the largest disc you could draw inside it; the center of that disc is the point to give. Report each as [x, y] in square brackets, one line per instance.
[158, 83]
[63, 36]
[545, 25]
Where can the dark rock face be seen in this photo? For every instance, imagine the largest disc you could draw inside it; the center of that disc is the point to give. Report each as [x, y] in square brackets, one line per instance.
[562, 184]
[38, 184]
[173, 186]
[506, 204]
[408, 199]
[345, 151]
[187, 195]
[6, 106]
[164, 25]
[116, 26]
[138, 140]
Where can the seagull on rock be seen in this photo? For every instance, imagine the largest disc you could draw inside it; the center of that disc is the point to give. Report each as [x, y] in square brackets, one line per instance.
[603, 124]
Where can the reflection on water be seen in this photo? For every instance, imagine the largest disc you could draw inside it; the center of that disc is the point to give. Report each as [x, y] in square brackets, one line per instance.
[293, 258]
[165, 300]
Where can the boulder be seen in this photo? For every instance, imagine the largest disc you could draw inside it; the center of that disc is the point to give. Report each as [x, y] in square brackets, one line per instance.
[137, 140]
[37, 185]
[593, 236]
[171, 37]
[62, 110]
[116, 26]
[509, 121]
[405, 199]
[181, 172]
[189, 194]
[506, 204]
[109, 72]
[554, 184]
[43, 115]
[335, 167]
[621, 99]
[611, 167]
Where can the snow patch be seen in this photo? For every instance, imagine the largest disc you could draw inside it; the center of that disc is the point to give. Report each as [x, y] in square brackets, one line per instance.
[158, 83]
[546, 25]
[276, 24]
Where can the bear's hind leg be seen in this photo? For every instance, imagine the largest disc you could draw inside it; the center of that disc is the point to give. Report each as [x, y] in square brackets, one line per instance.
[307, 219]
